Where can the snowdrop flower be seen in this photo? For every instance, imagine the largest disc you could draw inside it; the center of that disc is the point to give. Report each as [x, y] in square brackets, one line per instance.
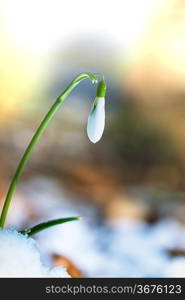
[96, 119]
[19, 256]
[95, 128]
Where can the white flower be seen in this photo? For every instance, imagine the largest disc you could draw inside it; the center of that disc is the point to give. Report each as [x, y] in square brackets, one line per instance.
[96, 120]
[20, 257]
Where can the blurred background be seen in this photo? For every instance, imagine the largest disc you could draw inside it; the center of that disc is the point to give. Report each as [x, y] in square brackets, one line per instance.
[130, 187]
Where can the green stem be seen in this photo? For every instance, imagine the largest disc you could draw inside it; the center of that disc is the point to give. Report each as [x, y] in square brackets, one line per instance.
[35, 139]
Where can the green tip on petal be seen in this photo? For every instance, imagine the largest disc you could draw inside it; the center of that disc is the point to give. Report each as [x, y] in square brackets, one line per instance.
[101, 89]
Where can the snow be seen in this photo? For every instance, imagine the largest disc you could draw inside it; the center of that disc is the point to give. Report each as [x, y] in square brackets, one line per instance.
[130, 250]
[113, 248]
[176, 268]
[20, 257]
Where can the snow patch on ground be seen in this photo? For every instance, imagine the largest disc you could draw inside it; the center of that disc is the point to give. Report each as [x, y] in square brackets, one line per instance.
[117, 248]
[20, 257]
[132, 249]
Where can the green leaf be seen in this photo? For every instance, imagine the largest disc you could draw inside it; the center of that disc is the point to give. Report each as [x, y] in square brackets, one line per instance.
[45, 225]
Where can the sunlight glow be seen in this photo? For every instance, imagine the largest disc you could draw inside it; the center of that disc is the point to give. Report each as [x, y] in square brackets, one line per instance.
[41, 25]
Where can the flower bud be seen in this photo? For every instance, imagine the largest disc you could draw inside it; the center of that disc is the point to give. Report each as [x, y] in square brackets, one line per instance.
[96, 120]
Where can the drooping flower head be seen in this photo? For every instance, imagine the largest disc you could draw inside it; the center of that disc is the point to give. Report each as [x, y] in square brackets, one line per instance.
[96, 119]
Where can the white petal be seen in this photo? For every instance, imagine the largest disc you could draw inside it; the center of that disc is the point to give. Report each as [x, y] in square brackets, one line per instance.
[96, 120]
